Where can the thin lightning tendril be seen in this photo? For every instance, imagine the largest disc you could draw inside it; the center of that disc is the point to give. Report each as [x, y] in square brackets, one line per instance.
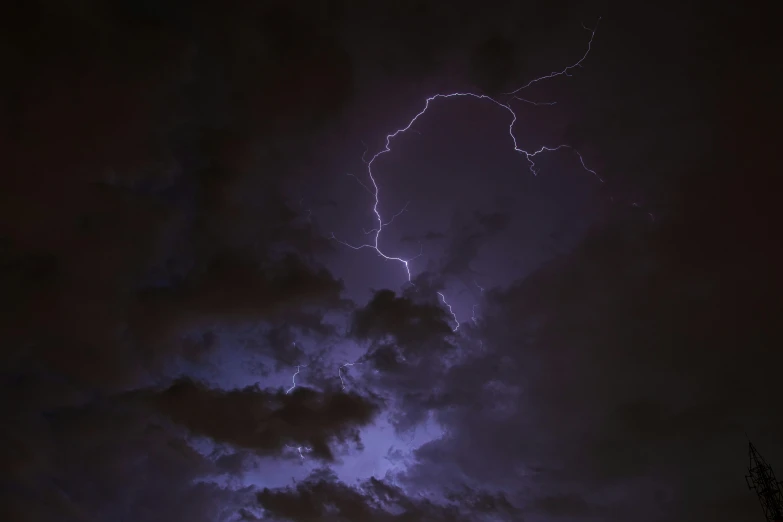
[567, 70]
[293, 378]
[300, 449]
[456, 321]
[374, 189]
[304, 449]
[537, 104]
[340, 373]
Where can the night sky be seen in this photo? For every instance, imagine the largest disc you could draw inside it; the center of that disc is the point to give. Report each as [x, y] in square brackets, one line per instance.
[187, 336]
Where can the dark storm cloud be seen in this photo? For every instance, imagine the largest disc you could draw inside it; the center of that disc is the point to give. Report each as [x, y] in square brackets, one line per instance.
[411, 341]
[105, 463]
[142, 211]
[142, 162]
[405, 321]
[376, 500]
[631, 364]
[265, 421]
[238, 289]
[617, 380]
[66, 315]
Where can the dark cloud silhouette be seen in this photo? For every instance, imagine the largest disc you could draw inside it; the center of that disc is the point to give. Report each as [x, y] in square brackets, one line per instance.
[328, 499]
[237, 289]
[63, 316]
[400, 319]
[265, 421]
[105, 462]
[411, 341]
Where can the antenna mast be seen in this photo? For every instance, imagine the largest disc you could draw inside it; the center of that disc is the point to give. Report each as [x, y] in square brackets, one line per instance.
[761, 478]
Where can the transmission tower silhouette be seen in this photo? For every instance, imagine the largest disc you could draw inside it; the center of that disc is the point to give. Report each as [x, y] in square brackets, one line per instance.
[761, 478]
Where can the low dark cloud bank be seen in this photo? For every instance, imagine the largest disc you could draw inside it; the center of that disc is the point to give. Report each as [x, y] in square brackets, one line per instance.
[153, 221]
[266, 421]
[328, 499]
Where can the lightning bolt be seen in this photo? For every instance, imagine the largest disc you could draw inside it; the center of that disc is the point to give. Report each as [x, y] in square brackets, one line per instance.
[371, 186]
[567, 70]
[293, 378]
[340, 372]
[374, 189]
[456, 321]
[300, 450]
[304, 449]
